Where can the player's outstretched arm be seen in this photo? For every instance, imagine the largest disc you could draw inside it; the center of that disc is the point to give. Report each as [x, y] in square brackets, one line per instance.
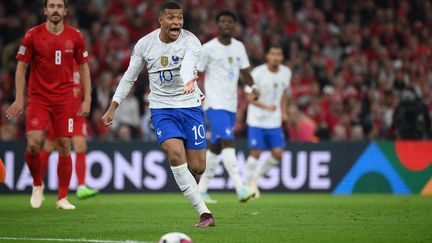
[17, 106]
[108, 117]
[86, 86]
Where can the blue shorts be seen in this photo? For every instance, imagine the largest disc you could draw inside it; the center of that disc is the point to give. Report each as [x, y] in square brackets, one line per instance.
[265, 138]
[222, 124]
[187, 124]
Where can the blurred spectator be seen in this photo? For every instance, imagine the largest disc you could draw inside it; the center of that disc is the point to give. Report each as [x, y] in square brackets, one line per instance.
[124, 133]
[411, 119]
[300, 128]
[128, 114]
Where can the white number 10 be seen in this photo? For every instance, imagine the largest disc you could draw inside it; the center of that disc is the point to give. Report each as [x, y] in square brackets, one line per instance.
[199, 132]
[57, 58]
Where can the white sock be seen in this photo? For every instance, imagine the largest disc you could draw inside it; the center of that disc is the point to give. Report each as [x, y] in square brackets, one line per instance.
[268, 164]
[230, 162]
[188, 186]
[212, 161]
[251, 165]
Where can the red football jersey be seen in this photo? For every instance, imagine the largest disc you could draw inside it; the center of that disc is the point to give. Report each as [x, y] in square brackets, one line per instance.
[51, 58]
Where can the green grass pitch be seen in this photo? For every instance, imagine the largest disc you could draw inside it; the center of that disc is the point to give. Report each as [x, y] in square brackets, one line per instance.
[271, 218]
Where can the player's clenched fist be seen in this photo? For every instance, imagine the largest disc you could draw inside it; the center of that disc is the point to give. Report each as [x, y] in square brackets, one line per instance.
[108, 117]
[15, 109]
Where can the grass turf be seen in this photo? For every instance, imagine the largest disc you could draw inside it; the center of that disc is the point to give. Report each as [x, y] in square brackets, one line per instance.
[272, 218]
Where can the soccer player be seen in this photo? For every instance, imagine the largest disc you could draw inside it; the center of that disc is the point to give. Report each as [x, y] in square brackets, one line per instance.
[265, 115]
[50, 49]
[223, 59]
[79, 142]
[170, 54]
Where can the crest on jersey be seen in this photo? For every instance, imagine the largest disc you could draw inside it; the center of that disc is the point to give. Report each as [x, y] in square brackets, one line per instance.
[175, 59]
[230, 60]
[164, 61]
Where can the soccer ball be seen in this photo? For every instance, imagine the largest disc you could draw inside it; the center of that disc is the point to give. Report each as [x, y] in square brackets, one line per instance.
[175, 237]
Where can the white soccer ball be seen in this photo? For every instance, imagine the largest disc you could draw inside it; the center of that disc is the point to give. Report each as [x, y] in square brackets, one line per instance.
[175, 237]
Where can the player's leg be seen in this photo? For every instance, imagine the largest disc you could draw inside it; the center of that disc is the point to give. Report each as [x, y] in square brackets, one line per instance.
[62, 122]
[36, 120]
[34, 139]
[197, 165]
[276, 141]
[194, 128]
[229, 157]
[229, 160]
[174, 148]
[79, 144]
[171, 136]
[48, 147]
[212, 161]
[212, 154]
[256, 145]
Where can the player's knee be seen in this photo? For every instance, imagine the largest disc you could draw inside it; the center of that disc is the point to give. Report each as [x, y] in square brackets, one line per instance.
[176, 157]
[63, 146]
[80, 148]
[33, 146]
[277, 154]
[255, 153]
[198, 168]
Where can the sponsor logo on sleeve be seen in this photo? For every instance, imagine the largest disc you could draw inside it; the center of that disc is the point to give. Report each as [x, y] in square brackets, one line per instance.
[21, 50]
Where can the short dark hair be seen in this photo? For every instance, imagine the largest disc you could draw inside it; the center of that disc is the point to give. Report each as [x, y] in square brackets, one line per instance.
[46, 3]
[270, 46]
[169, 5]
[226, 13]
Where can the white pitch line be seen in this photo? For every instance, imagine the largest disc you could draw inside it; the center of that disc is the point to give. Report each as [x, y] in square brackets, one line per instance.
[70, 240]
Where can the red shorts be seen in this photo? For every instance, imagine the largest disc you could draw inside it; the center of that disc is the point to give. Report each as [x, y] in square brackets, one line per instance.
[61, 116]
[79, 128]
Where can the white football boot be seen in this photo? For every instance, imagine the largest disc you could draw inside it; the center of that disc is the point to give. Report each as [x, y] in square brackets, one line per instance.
[65, 204]
[37, 196]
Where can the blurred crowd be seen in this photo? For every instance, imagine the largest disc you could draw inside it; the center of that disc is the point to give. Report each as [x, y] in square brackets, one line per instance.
[361, 68]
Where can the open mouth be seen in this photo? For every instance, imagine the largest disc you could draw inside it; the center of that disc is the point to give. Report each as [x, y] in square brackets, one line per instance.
[174, 31]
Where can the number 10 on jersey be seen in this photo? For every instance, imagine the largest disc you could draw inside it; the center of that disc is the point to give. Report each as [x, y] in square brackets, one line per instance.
[165, 76]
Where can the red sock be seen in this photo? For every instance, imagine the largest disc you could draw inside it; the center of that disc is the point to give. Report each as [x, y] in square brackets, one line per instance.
[44, 155]
[64, 172]
[80, 168]
[33, 163]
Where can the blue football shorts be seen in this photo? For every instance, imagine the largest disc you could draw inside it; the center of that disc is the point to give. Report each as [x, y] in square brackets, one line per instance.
[265, 138]
[222, 124]
[187, 124]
